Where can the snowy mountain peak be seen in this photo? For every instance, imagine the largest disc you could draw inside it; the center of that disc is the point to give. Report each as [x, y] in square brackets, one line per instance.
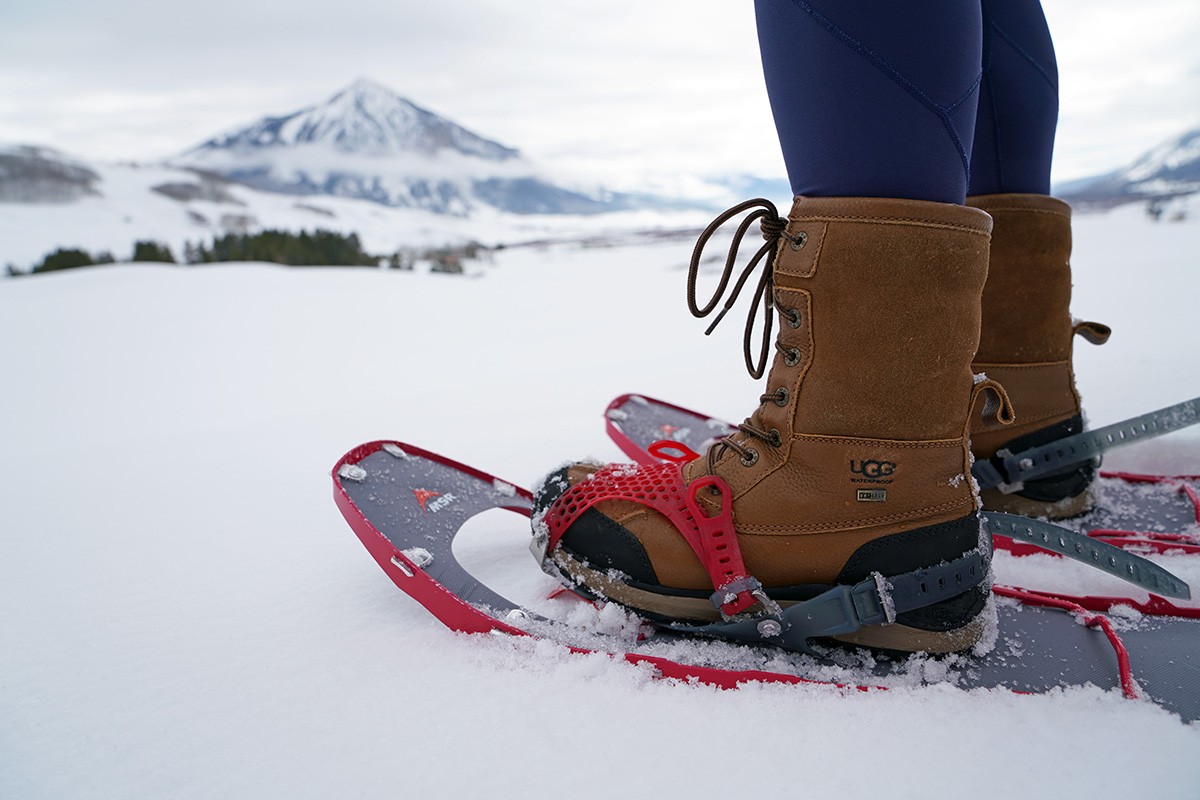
[1168, 159]
[368, 142]
[365, 119]
[1172, 169]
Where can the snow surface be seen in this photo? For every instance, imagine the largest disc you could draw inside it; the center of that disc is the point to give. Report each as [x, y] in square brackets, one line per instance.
[184, 613]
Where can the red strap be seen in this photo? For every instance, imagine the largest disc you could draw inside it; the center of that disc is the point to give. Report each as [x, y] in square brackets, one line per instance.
[662, 488]
[670, 450]
[1128, 686]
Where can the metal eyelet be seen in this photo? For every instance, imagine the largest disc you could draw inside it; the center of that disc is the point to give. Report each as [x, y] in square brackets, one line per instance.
[752, 459]
[792, 358]
[781, 396]
[799, 240]
[776, 440]
[793, 317]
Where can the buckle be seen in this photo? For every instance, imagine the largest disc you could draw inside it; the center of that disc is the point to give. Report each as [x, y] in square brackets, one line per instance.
[751, 593]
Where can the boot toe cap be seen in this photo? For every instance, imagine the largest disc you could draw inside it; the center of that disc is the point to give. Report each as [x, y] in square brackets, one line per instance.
[594, 538]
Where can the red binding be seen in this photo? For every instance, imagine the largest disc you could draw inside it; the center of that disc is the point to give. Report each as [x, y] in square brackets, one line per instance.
[1128, 685]
[662, 488]
[670, 450]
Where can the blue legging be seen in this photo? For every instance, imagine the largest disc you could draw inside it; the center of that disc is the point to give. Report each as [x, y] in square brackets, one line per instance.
[931, 100]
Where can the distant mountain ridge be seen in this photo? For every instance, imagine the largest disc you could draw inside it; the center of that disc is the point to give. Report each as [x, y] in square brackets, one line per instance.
[1169, 170]
[30, 174]
[368, 142]
[365, 118]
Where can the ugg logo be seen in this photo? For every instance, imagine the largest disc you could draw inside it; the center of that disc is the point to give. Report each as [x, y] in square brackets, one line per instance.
[872, 469]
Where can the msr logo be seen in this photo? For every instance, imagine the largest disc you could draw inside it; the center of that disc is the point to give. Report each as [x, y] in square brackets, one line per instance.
[675, 433]
[424, 496]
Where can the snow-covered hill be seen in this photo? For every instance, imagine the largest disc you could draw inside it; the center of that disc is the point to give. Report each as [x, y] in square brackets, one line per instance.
[364, 118]
[42, 175]
[124, 203]
[366, 162]
[185, 614]
[1168, 171]
[368, 142]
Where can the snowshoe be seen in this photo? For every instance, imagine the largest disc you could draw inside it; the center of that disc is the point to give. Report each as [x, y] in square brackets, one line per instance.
[407, 506]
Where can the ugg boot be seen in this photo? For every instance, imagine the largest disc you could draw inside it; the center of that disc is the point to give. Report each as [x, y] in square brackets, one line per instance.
[855, 463]
[1025, 344]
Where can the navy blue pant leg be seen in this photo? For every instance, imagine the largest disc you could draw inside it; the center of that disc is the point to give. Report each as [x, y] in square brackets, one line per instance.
[874, 98]
[1018, 101]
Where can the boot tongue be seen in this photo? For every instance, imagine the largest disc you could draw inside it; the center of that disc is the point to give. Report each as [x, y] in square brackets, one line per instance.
[758, 420]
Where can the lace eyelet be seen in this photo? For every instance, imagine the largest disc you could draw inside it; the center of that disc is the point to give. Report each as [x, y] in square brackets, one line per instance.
[752, 459]
[793, 317]
[781, 396]
[799, 240]
[792, 358]
[776, 440]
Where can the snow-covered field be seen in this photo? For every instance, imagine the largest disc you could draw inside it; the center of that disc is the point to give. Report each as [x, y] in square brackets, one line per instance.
[128, 210]
[184, 613]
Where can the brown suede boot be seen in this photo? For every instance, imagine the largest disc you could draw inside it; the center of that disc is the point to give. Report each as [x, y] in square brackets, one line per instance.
[855, 464]
[1025, 344]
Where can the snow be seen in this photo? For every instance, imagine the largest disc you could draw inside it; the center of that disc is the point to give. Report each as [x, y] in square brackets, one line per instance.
[128, 210]
[185, 614]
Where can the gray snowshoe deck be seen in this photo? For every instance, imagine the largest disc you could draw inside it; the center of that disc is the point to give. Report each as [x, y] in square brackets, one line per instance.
[407, 505]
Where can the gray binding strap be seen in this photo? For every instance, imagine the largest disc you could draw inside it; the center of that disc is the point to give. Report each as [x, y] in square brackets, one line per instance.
[1101, 555]
[729, 592]
[845, 609]
[877, 600]
[1012, 471]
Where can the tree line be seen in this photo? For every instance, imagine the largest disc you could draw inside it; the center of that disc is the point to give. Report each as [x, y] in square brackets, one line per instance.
[320, 248]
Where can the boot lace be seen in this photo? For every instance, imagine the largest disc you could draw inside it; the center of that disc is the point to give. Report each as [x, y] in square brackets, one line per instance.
[773, 228]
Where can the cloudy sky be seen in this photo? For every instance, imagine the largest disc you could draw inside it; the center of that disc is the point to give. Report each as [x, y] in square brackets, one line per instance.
[628, 91]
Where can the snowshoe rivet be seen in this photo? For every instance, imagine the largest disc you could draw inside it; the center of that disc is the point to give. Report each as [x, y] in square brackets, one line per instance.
[799, 240]
[394, 450]
[352, 472]
[750, 460]
[408, 573]
[419, 556]
[769, 627]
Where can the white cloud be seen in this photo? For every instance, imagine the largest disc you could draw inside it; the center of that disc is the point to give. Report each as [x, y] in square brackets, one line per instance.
[1129, 78]
[623, 91]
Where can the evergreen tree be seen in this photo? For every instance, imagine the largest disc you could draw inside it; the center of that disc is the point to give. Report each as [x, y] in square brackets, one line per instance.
[64, 259]
[320, 248]
[152, 251]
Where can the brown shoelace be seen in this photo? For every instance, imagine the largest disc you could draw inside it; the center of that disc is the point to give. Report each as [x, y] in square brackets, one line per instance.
[773, 228]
